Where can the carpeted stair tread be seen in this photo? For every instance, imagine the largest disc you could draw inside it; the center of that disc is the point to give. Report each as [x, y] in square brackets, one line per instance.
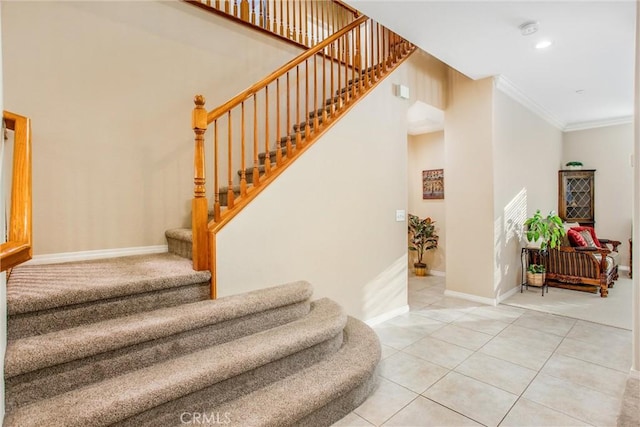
[39, 287]
[126, 395]
[42, 351]
[297, 396]
[184, 234]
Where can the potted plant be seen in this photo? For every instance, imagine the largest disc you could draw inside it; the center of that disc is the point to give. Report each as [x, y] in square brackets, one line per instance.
[545, 232]
[422, 238]
[535, 275]
[574, 165]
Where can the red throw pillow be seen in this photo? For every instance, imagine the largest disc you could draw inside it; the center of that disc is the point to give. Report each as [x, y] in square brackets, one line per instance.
[575, 238]
[591, 231]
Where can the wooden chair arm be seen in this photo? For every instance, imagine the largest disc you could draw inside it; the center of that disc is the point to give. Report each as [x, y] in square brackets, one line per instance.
[614, 243]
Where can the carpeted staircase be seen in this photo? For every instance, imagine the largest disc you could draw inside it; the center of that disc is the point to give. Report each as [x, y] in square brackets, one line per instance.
[135, 341]
[180, 239]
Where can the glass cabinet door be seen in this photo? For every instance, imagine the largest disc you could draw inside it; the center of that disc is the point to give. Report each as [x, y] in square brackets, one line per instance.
[575, 202]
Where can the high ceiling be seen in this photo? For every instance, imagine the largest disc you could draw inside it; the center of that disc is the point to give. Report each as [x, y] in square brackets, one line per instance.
[584, 79]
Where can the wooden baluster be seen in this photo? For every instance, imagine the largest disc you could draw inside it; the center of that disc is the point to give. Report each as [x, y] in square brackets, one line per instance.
[230, 193]
[383, 46]
[324, 85]
[199, 209]
[299, 133]
[300, 25]
[288, 128]
[253, 12]
[312, 32]
[371, 63]
[315, 94]
[358, 60]
[216, 168]
[365, 68]
[339, 91]
[236, 9]
[306, 22]
[227, 6]
[307, 127]
[261, 20]
[243, 162]
[208, 3]
[267, 158]
[279, 144]
[331, 92]
[288, 21]
[281, 17]
[217, 4]
[256, 163]
[294, 35]
[352, 58]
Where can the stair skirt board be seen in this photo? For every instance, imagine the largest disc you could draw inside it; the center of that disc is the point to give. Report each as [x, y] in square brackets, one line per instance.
[95, 254]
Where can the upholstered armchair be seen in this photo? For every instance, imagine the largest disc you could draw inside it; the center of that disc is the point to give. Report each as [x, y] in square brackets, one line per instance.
[583, 262]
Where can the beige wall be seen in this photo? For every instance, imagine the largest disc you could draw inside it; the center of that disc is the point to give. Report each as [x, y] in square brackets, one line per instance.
[109, 87]
[469, 186]
[608, 150]
[426, 151]
[526, 158]
[330, 218]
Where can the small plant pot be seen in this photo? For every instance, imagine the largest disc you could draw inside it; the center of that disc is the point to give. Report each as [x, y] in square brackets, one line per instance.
[574, 167]
[420, 269]
[535, 279]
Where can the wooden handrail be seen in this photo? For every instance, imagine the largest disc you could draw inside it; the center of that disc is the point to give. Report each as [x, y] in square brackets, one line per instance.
[18, 247]
[236, 100]
[311, 92]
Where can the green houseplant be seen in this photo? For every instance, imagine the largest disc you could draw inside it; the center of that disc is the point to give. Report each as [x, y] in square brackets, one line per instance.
[548, 231]
[574, 165]
[422, 238]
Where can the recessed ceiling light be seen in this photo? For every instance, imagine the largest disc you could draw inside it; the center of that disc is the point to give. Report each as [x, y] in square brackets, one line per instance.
[544, 44]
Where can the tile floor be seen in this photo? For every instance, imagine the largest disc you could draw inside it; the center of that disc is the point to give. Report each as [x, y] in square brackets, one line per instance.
[452, 362]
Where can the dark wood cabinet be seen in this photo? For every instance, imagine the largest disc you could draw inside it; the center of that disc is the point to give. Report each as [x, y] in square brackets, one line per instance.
[575, 196]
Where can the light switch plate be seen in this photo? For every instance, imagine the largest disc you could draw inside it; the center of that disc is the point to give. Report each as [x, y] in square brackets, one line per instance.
[400, 215]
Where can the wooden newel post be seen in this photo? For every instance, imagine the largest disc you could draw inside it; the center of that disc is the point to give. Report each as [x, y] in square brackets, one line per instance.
[199, 205]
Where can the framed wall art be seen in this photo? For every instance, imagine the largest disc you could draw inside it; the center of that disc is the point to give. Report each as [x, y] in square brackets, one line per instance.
[433, 184]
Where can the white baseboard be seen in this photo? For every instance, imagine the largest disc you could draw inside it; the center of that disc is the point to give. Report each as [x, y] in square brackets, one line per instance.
[387, 316]
[96, 254]
[469, 297]
[437, 273]
[634, 374]
[623, 267]
[507, 294]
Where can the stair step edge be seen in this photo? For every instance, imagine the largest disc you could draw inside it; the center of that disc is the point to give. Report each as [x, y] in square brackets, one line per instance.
[42, 351]
[297, 396]
[88, 281]
[121, 397]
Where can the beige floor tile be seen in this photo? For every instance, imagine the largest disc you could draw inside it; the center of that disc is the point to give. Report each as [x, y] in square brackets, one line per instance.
[461, 336]
[600, 334]
[396, 336]
[453, 302]
[439, 352]
[482, 402]
[352, 420]
[424, 298]
[544, 322]
[411, 372]
[526, 413]
[586, 374]
[616, 357]
[480, 324]
[387, 351]
[416, 323]
[523, 355]
[384, 402]
[530, 338]
[503, 313]
[587, 405]
[424, 412]
[441, 313]
[500, 373]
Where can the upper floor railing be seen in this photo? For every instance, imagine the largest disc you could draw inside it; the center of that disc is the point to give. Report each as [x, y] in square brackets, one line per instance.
[304, 22]
[17, 248]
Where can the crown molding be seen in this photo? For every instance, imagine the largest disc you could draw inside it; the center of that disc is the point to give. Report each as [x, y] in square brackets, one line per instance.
[508, 88]
[599, 123]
